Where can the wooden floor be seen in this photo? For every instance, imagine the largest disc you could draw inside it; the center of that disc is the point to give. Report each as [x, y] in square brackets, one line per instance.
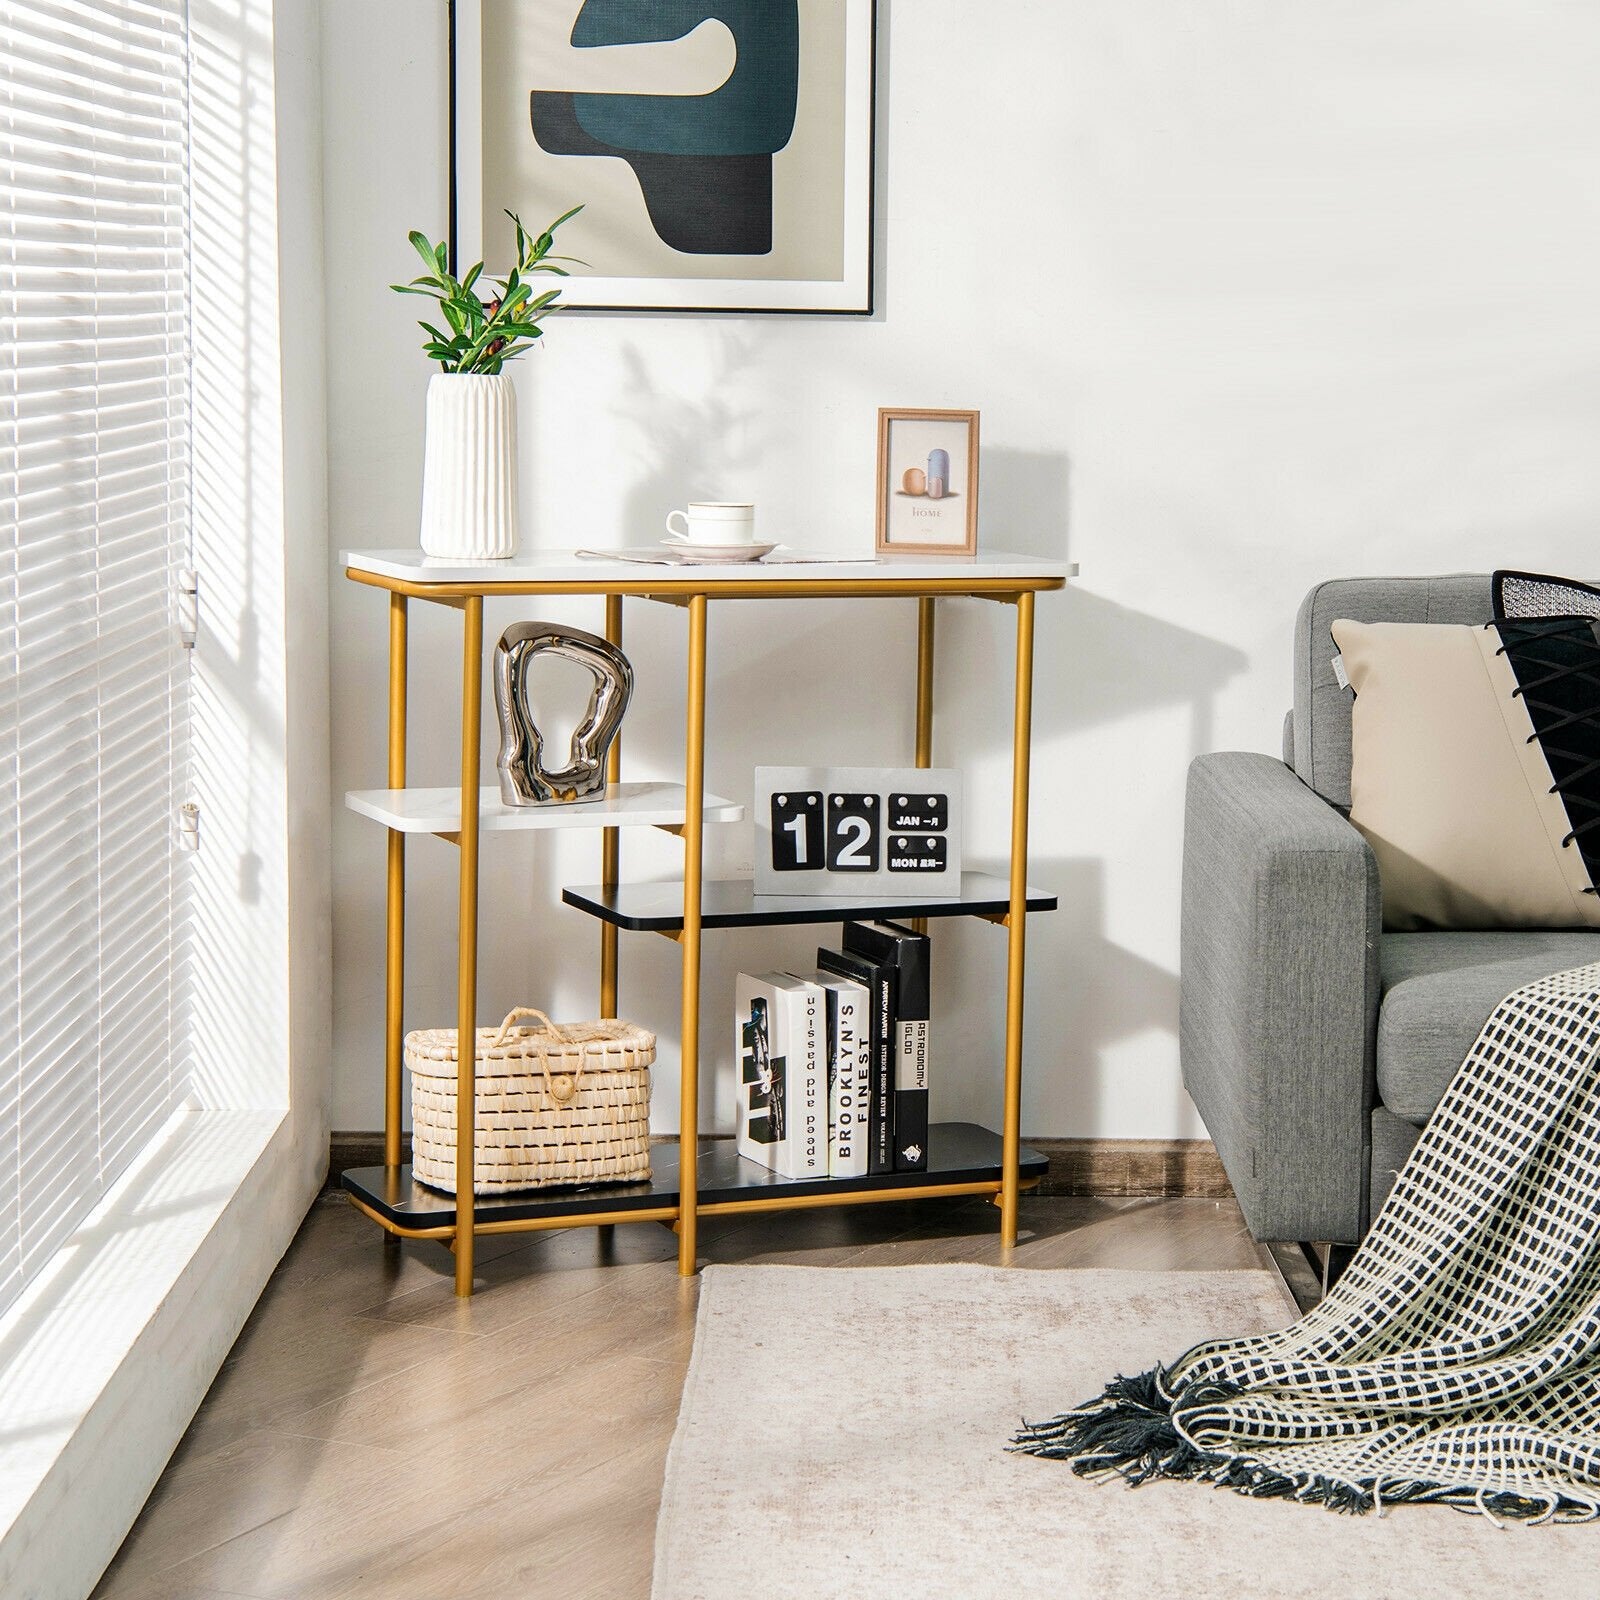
[371, 1436]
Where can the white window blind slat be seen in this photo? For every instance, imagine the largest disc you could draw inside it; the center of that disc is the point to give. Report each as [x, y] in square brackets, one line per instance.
[93, 528]
[133, 741]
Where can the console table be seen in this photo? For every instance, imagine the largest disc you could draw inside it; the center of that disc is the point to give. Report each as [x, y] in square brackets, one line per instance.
[701, 1180]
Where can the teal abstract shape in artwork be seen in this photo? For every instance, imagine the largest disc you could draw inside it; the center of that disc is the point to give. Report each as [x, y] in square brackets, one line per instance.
[752, 114]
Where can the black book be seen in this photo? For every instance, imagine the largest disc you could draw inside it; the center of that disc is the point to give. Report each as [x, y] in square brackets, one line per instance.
[879, 979]
[907, 953]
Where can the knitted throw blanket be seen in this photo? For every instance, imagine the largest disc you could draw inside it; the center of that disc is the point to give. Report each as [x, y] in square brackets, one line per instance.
[1457, 1361]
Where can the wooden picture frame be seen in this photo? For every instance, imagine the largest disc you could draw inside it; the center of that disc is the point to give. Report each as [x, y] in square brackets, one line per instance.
[920, 512]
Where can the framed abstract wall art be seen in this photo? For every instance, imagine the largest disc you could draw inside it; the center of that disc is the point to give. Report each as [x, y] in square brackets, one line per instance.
[928, 482]
[722, 149]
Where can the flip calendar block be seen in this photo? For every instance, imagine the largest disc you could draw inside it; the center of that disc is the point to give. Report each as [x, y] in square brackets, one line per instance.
[797, 830]
[858, 830]
[918, 853]
[855, 832]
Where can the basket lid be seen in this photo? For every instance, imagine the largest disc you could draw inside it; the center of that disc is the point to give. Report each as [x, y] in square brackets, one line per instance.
[506, 1050]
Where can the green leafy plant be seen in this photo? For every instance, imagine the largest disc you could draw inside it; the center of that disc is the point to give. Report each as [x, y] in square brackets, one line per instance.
[484, 334]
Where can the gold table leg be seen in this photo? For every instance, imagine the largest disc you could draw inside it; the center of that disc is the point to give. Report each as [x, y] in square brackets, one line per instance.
[1016, 924]
[467, 965]
[395, 927]
[924, 701]
[925, 681]
[694, 765]
[610, 840]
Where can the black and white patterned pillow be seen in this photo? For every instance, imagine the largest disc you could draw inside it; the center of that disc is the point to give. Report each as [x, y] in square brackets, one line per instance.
[1556, 660]
[1538, 594]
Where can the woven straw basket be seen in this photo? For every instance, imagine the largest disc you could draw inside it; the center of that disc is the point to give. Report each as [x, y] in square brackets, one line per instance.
[555, 1104]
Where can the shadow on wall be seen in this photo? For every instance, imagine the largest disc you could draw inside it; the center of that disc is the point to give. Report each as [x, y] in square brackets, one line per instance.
[1104, 662]
[1097, 664]
[1086, 995]
[1124, 660]
[1095, 661]
[1023, 501]
[1115, 663]
[681, 447]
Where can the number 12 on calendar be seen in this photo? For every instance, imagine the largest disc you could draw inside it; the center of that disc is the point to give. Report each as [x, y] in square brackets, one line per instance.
[888, 830]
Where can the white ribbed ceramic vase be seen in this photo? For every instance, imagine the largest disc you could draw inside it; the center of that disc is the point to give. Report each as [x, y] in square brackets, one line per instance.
[469, 468]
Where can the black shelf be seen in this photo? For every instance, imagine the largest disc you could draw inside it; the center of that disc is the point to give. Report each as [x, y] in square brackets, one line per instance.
[733, 903]
[958, 1152]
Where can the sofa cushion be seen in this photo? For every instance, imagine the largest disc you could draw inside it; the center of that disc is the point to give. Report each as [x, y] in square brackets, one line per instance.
[1476, 770]
[1321, 703]
[1437, 992]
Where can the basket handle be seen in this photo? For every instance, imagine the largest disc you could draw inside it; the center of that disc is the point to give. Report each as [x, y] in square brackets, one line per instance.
[563, 1086]
[515, 1015]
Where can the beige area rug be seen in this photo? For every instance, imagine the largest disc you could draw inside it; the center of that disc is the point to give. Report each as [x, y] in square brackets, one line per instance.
[842, 1434]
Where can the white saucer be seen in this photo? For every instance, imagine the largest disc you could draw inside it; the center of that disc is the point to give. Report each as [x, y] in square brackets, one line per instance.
[698, 554]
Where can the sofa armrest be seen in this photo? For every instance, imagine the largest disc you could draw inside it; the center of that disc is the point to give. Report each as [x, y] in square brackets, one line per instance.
[1279, 993]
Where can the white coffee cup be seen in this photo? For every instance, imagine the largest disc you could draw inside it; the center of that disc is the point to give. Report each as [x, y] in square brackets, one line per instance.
[714, 522]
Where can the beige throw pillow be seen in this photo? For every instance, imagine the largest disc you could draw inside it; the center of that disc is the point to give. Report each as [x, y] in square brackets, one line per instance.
[1450, 781]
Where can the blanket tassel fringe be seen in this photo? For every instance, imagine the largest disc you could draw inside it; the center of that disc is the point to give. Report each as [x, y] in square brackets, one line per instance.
[1131, 1432]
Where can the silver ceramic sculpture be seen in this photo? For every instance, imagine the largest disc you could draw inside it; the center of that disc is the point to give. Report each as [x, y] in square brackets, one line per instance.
[524, 779]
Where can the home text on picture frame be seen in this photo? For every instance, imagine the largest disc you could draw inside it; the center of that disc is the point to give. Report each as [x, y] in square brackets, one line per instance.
[927, 482]
[723, 149]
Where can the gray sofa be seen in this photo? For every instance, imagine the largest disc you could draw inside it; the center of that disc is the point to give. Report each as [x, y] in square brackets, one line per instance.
[1315, 1045]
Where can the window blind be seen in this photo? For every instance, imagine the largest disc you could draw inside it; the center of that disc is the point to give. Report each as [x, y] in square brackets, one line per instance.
[94, 491]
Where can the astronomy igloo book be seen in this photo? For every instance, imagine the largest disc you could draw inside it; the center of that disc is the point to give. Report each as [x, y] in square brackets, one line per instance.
[780, 1044]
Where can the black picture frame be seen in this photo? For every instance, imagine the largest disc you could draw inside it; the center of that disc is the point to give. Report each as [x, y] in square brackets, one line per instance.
[461, 18]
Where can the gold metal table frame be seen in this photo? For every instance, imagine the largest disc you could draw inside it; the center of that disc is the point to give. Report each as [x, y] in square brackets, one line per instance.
[692, 590]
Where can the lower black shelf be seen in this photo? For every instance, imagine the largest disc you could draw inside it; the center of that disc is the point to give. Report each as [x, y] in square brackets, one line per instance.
[733, 903]
[958, 1152]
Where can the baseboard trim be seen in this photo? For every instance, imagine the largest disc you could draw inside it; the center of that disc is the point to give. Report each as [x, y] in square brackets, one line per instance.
[1107, 1168]
[1133, 1168]
[346, 1150]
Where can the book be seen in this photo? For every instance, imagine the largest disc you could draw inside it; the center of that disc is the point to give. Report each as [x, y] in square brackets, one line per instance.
[906, 952]
[879, 981]
[780, 1046]
[849, 1074]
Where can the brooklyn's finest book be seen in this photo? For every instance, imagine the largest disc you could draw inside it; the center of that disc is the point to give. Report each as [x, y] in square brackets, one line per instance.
[879, 982]
[780, 1043]
[906, 952]
[849, 1074]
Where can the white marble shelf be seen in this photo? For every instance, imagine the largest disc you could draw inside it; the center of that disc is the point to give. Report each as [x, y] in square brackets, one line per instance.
[540, 568]
[626, 805]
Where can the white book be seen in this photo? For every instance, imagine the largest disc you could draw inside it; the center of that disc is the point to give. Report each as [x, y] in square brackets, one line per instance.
[849, 1075]
[778, 1044]
[808, 1075]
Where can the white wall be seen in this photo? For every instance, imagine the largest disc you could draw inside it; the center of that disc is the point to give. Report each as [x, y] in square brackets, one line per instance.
[1249, 294]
